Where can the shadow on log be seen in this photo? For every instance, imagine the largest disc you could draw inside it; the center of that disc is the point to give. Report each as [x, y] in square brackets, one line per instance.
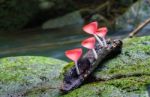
[87, 64]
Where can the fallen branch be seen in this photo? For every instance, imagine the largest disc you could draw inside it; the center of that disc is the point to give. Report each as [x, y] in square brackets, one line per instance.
[87, 64]
[142, 25]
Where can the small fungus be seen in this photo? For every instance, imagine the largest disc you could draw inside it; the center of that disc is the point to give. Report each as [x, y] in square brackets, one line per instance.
[101, 32]
[90, 44]
[74, 55]
[91, 28]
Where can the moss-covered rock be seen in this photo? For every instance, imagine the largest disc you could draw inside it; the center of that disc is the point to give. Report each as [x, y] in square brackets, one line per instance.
[27, 74]
[127, 75]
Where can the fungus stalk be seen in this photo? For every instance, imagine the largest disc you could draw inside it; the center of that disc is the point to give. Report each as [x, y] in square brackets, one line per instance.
[76, 66]
[98, 39]
[95, 54]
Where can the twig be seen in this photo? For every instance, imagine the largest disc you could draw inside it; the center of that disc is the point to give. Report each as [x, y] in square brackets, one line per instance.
[135, 31]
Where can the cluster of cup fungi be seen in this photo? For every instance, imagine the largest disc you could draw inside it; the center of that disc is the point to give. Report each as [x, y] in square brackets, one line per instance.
[89, 43]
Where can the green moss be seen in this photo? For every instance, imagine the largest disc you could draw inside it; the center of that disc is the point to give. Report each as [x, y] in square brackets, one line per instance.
[130, 70]
[132, 67]
[131, 84]
[124, 87]
[17, 66]
[67, 67]
[102, 89]
[133, 60]
[138, 44]
[90, 90]
[28, 71]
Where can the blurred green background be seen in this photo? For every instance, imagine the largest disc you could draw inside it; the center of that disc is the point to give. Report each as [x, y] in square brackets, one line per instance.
[20, 14]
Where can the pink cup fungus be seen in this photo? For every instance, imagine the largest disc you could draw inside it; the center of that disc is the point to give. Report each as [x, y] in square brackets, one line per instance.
[101, 32]
[91, 28]
[74, 55]
[90, 44]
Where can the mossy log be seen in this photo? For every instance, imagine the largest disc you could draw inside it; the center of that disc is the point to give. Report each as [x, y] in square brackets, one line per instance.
[87, 64]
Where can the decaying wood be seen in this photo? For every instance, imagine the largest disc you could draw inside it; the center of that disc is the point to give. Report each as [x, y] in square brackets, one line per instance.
[87, 64]
[142, 25]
